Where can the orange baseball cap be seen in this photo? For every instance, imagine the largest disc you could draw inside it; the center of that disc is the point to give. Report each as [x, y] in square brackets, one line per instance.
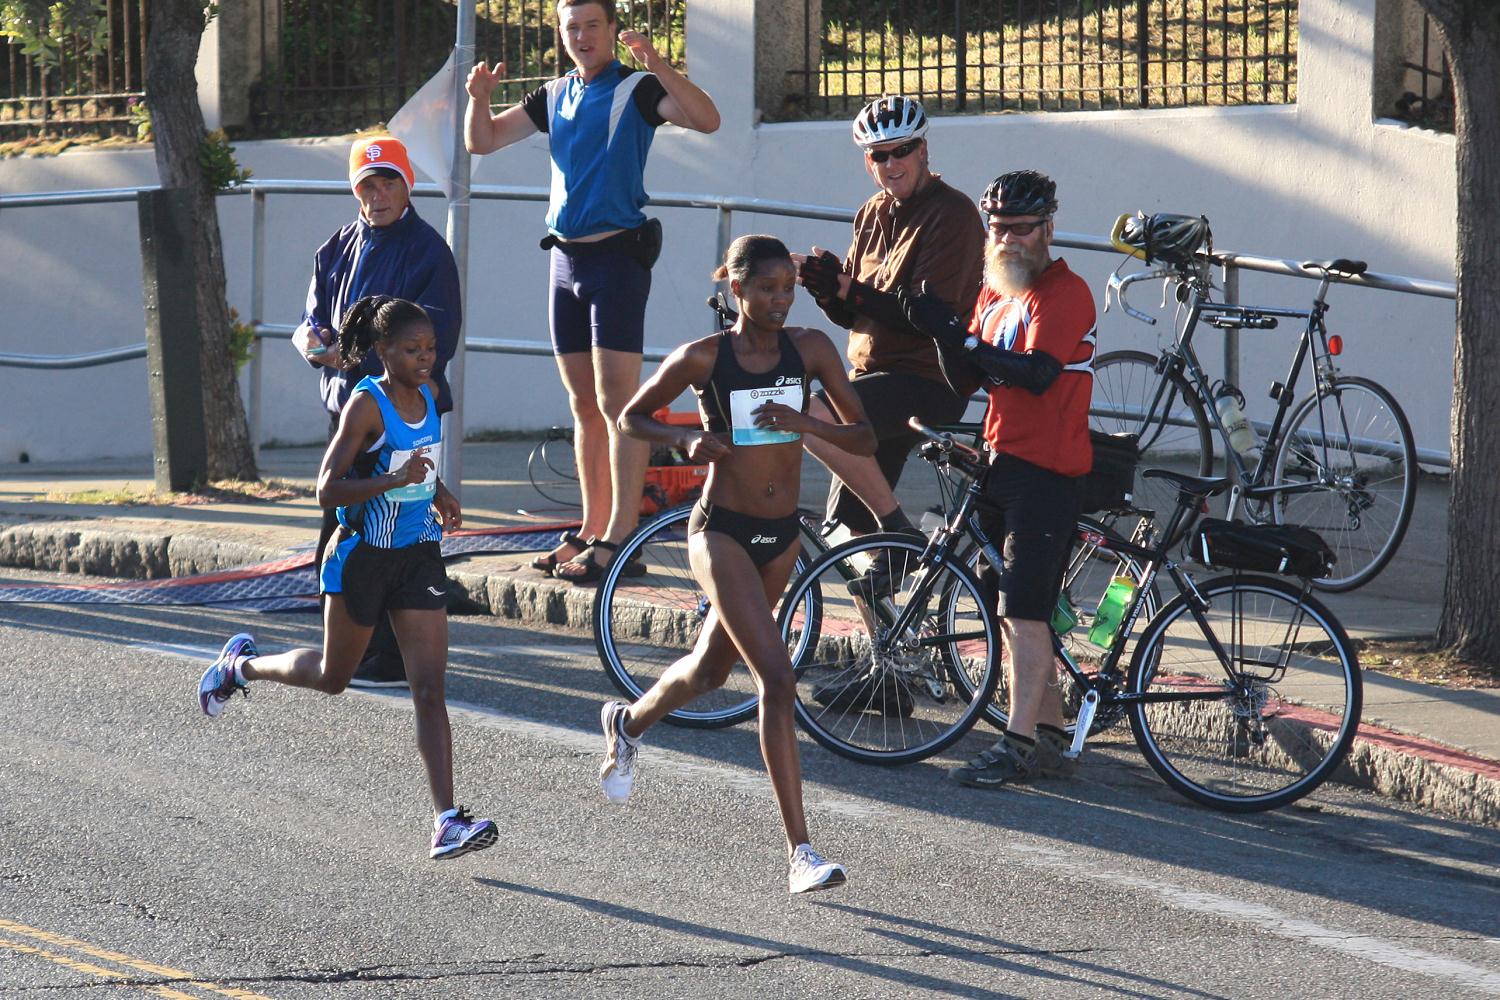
[377, 152]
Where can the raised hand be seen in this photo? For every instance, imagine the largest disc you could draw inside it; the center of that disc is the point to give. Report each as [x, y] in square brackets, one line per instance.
[483, 80]
[640, 48]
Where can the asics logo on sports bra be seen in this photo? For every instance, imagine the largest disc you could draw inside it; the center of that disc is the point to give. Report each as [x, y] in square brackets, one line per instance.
[788, 380]
[764, 539]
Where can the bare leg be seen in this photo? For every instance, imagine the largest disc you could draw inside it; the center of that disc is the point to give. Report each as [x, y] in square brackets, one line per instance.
[424, 646]
[861, 473]
[704, 669]
[344, 642]
[590, 441]
[740, 595]
[617, 376]
[1034, 694]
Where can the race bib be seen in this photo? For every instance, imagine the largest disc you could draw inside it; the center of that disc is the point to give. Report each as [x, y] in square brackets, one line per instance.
[743, 401]
[424, 490]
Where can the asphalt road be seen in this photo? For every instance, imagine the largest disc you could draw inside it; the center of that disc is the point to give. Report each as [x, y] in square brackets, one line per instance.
[280, 852]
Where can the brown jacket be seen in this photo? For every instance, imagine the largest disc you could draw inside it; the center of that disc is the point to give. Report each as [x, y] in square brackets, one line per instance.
[934, 236]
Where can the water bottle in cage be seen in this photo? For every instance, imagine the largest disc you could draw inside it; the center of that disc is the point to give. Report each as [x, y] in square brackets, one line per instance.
[1230, 403]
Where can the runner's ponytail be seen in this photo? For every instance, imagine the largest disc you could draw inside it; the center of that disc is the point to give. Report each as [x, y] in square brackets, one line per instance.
[372, 320]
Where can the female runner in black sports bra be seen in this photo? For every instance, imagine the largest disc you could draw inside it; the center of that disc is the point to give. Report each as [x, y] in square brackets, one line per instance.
[743, 534]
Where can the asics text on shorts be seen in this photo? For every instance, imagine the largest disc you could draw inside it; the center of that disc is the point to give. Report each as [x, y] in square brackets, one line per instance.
[218, 682]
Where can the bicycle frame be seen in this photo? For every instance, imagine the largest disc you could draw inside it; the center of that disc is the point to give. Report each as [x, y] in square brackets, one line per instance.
[1247, 485]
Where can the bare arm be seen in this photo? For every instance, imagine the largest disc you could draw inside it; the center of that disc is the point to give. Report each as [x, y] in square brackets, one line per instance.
[690, 364]
[685, 104]
[484, 131]
[854, 434]
[359, 427]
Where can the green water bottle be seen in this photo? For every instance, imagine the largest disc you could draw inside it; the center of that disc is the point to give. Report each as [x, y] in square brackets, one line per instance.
[1111, 610]
[1064, 616]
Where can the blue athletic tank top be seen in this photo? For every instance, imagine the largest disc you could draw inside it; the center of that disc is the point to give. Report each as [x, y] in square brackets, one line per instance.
[403, 516]
[731, 394]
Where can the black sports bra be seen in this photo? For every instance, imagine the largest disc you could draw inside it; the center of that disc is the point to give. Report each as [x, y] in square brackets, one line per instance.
[730, 384]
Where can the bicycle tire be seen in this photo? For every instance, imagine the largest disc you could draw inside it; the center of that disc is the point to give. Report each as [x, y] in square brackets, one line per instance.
[1088, 574]
[643, 624]
[1365, 510]
[896, 698]
[1124, 386]
[1288, 726]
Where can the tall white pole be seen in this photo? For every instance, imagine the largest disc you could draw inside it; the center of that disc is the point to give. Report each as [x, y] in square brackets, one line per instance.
[458, 241]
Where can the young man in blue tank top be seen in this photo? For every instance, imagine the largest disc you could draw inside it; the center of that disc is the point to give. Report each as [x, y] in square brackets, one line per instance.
[600, 120]
[379, 474]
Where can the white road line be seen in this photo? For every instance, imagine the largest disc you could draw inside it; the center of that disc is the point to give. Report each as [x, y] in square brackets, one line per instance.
[177, 650]
[528, 649]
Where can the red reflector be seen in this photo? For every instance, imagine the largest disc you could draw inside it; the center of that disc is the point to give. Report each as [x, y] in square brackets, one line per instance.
[1203, 507]
[1335, 345]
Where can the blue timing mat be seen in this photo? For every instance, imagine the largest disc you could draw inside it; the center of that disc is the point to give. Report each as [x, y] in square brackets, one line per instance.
[289, 584]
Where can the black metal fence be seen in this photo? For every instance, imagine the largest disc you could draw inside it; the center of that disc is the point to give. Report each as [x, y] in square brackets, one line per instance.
[1049, 55]
[334, 66]
[81, 88]
[1428, 98]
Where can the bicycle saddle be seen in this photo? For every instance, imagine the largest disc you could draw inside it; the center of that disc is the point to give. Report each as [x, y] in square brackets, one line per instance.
[1198, 486]
[1340, 265]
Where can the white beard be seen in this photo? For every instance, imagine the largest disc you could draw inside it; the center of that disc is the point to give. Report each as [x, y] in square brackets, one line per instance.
[1013, 273]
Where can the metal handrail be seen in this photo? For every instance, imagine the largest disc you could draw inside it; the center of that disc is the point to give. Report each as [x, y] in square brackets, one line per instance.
[725, 205]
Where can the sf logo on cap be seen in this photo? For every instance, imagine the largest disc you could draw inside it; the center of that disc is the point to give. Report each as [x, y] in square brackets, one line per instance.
[372, 152]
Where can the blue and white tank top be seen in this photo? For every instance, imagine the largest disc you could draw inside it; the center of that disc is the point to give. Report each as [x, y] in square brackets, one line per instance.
[403, 516]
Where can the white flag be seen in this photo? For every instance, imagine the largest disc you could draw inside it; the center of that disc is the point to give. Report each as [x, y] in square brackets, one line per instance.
[427, 124]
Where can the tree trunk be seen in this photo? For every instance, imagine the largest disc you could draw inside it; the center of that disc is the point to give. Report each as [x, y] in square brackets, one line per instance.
[1470, 623]
[176, 28]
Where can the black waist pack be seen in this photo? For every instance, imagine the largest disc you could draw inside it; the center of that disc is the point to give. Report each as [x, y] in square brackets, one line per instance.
[1285, 549]
[1111, 481]
[643, 243]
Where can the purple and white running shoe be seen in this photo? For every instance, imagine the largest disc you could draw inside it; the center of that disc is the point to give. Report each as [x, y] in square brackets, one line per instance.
[459, 833]
[218, 682]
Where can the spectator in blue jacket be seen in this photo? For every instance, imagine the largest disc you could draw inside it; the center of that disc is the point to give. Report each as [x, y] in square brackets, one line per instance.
[388, 250]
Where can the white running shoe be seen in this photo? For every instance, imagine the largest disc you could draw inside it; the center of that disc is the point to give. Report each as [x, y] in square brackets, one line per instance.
[810, 871]
[459, 834]
[617, 773]
[218, 682]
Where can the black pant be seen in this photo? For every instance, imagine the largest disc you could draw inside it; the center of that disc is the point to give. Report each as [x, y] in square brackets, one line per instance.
[383, 645]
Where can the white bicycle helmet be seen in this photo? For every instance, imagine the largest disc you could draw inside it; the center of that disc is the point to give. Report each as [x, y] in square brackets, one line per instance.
[889, 119]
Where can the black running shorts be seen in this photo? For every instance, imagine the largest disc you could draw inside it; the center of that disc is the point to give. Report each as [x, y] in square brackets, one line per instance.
[373, 580]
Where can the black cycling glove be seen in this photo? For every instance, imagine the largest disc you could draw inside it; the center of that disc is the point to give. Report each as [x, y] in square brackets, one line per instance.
[820, 276]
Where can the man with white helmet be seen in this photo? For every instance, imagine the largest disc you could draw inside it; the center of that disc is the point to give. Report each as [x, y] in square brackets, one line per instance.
[915, 229]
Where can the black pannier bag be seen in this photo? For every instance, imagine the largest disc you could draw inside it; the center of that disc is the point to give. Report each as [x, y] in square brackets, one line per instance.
[1285, 549]
[1111, 481]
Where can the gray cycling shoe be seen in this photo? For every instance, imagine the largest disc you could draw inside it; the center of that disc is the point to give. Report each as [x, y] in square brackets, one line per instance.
[1008, 762]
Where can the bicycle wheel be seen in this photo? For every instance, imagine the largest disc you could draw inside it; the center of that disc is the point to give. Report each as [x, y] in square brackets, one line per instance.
[1178, 437]
[1090, 569]
[868, 690]
[644, 624]
[1354, 443]
[1273, 722]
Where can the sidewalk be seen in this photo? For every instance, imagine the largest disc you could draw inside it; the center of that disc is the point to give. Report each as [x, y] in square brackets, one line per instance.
[1434, 746]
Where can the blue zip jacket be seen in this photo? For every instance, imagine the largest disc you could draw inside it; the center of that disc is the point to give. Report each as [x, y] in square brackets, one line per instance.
[407, 259]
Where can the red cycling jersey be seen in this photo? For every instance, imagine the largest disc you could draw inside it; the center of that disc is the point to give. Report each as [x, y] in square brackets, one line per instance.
[1055, 316]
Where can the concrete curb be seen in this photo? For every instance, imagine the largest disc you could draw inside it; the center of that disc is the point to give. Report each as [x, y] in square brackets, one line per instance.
[1406, 768]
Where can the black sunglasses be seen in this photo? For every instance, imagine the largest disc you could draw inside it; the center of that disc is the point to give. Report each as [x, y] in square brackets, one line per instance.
[901, 152]
[998, 228]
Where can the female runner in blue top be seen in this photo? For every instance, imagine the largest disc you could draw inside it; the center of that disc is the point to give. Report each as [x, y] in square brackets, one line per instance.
[752, 385]
[392, 509]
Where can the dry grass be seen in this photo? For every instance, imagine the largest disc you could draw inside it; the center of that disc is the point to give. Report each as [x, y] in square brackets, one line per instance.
[223, 491]
[1197, 52]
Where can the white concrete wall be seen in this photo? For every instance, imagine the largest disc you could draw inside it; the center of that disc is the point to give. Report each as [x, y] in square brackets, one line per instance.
[1316, 180]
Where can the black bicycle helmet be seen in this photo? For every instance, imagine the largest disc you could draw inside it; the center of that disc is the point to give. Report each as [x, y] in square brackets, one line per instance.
[889, 119]
[1167, 237]
[1020, 192]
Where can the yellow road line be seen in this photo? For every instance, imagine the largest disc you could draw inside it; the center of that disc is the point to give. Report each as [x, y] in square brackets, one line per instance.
[140, 965]
[90, 969]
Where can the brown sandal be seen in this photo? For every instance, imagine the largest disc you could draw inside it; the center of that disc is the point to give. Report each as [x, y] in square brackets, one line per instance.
[547, 563]
[593, 572]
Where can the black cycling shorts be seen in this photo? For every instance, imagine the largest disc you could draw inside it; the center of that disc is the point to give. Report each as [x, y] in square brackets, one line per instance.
[373, 580]
[890, 399]
[1031, 515]
[763, 538]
